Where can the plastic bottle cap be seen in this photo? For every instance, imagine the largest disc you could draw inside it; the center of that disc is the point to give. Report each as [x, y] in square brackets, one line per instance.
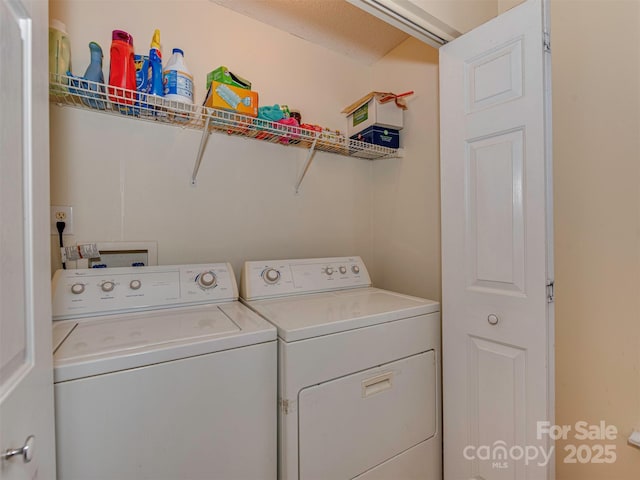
[177, 50]
[122, 36]
[58, 25]
[155, 40]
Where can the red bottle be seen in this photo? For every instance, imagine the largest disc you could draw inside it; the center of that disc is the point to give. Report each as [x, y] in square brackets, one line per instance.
[122, 69]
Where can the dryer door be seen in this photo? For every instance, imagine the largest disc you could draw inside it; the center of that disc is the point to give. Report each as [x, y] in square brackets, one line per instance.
[351, 424]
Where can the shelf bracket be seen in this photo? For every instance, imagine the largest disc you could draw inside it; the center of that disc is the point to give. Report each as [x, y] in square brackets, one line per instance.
[310, 153]
[203, 143]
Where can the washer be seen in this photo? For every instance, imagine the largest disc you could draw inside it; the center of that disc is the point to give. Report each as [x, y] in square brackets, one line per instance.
[160, 373]
[359, 371]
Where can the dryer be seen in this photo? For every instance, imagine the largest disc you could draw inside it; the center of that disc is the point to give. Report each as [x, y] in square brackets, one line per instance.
[358, 371]
[160, 373]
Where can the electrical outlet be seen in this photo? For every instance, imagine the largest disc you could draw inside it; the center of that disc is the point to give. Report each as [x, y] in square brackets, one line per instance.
[62, 214]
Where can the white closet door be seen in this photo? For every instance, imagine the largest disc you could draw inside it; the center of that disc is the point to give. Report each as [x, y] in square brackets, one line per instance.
[497, 322]
[26, 377]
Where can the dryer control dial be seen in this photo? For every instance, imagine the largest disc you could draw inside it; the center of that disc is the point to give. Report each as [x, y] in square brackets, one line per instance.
[271, 275]
[329, 270]
[77, 288]
[107, 286]
[135, 284]
[207, 280]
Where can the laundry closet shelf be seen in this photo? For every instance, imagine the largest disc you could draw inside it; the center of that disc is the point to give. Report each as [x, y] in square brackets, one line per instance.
[83, 94]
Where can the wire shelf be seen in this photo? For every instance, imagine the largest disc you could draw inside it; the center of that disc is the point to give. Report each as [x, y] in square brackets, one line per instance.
[87, 95]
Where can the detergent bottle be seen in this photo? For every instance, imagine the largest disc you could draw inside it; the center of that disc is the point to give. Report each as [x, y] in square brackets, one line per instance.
[94, 70]
[155, 59]
[178, 82]
[94, 74]
[59, 52]
[122, 70]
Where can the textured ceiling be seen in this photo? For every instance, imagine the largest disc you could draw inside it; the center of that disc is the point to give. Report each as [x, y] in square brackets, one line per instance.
[334, 24]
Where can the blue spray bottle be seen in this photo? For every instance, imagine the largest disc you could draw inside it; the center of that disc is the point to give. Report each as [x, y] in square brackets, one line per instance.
[155, 60]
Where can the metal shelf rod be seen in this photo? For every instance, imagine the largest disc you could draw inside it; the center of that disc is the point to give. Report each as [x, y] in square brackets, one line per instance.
[203, 143]
[310, 152]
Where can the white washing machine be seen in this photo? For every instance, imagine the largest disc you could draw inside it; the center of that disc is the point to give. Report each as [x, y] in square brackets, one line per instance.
[160, 373]
[359, 371]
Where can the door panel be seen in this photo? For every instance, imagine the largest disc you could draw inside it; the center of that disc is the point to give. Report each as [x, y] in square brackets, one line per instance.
[494, 77]
[497, 391]
[26, 380]
[13, 335]
[497, 330]
[494, 205]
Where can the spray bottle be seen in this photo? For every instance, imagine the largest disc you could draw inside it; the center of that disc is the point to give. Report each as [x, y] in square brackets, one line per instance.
[155, 60]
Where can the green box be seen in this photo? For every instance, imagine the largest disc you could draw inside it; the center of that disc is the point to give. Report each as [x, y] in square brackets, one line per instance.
[361, 115]
[223, 75]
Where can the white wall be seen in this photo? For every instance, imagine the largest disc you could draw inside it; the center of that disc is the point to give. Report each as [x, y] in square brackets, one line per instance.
[406, 213]
[129, 180]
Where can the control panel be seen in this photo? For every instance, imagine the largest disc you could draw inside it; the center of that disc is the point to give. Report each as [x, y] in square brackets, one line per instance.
[276, 278]
[92, 292]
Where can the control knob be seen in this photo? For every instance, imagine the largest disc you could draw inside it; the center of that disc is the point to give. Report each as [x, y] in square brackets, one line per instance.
[77, 288]
[135, 284]
[207, 279]
[329, 271]
[107, 286]
[355, 269]
[271, 275]
[343, 270]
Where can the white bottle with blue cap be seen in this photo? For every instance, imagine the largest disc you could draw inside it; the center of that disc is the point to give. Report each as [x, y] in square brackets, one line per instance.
[177, 80]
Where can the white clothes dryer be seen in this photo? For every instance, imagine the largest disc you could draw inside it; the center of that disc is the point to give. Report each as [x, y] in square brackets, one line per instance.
[359, 371]
[160, 373]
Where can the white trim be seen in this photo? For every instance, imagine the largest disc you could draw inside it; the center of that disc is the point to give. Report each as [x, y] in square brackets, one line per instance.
[548, 156]
[410, 19]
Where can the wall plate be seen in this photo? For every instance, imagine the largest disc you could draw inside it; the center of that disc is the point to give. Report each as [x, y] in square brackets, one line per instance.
[61, 214]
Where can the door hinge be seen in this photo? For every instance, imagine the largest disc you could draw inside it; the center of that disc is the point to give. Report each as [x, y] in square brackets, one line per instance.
[287, 406]
[546, 41]
[551, 296]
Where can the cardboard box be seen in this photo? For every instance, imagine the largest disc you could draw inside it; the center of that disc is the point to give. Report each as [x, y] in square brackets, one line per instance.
[232, 98]
[369, 111]
[223, 75]
[385, 137]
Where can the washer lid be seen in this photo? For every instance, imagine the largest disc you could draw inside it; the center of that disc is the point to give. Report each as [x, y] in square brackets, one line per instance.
[306, 316]
[110, 343]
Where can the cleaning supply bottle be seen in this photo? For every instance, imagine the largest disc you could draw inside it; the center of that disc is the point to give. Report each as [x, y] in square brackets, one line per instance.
[122, 69]
[59, 52]
[178, 82]
[94, 74]
[143, 72]
[155, 59]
